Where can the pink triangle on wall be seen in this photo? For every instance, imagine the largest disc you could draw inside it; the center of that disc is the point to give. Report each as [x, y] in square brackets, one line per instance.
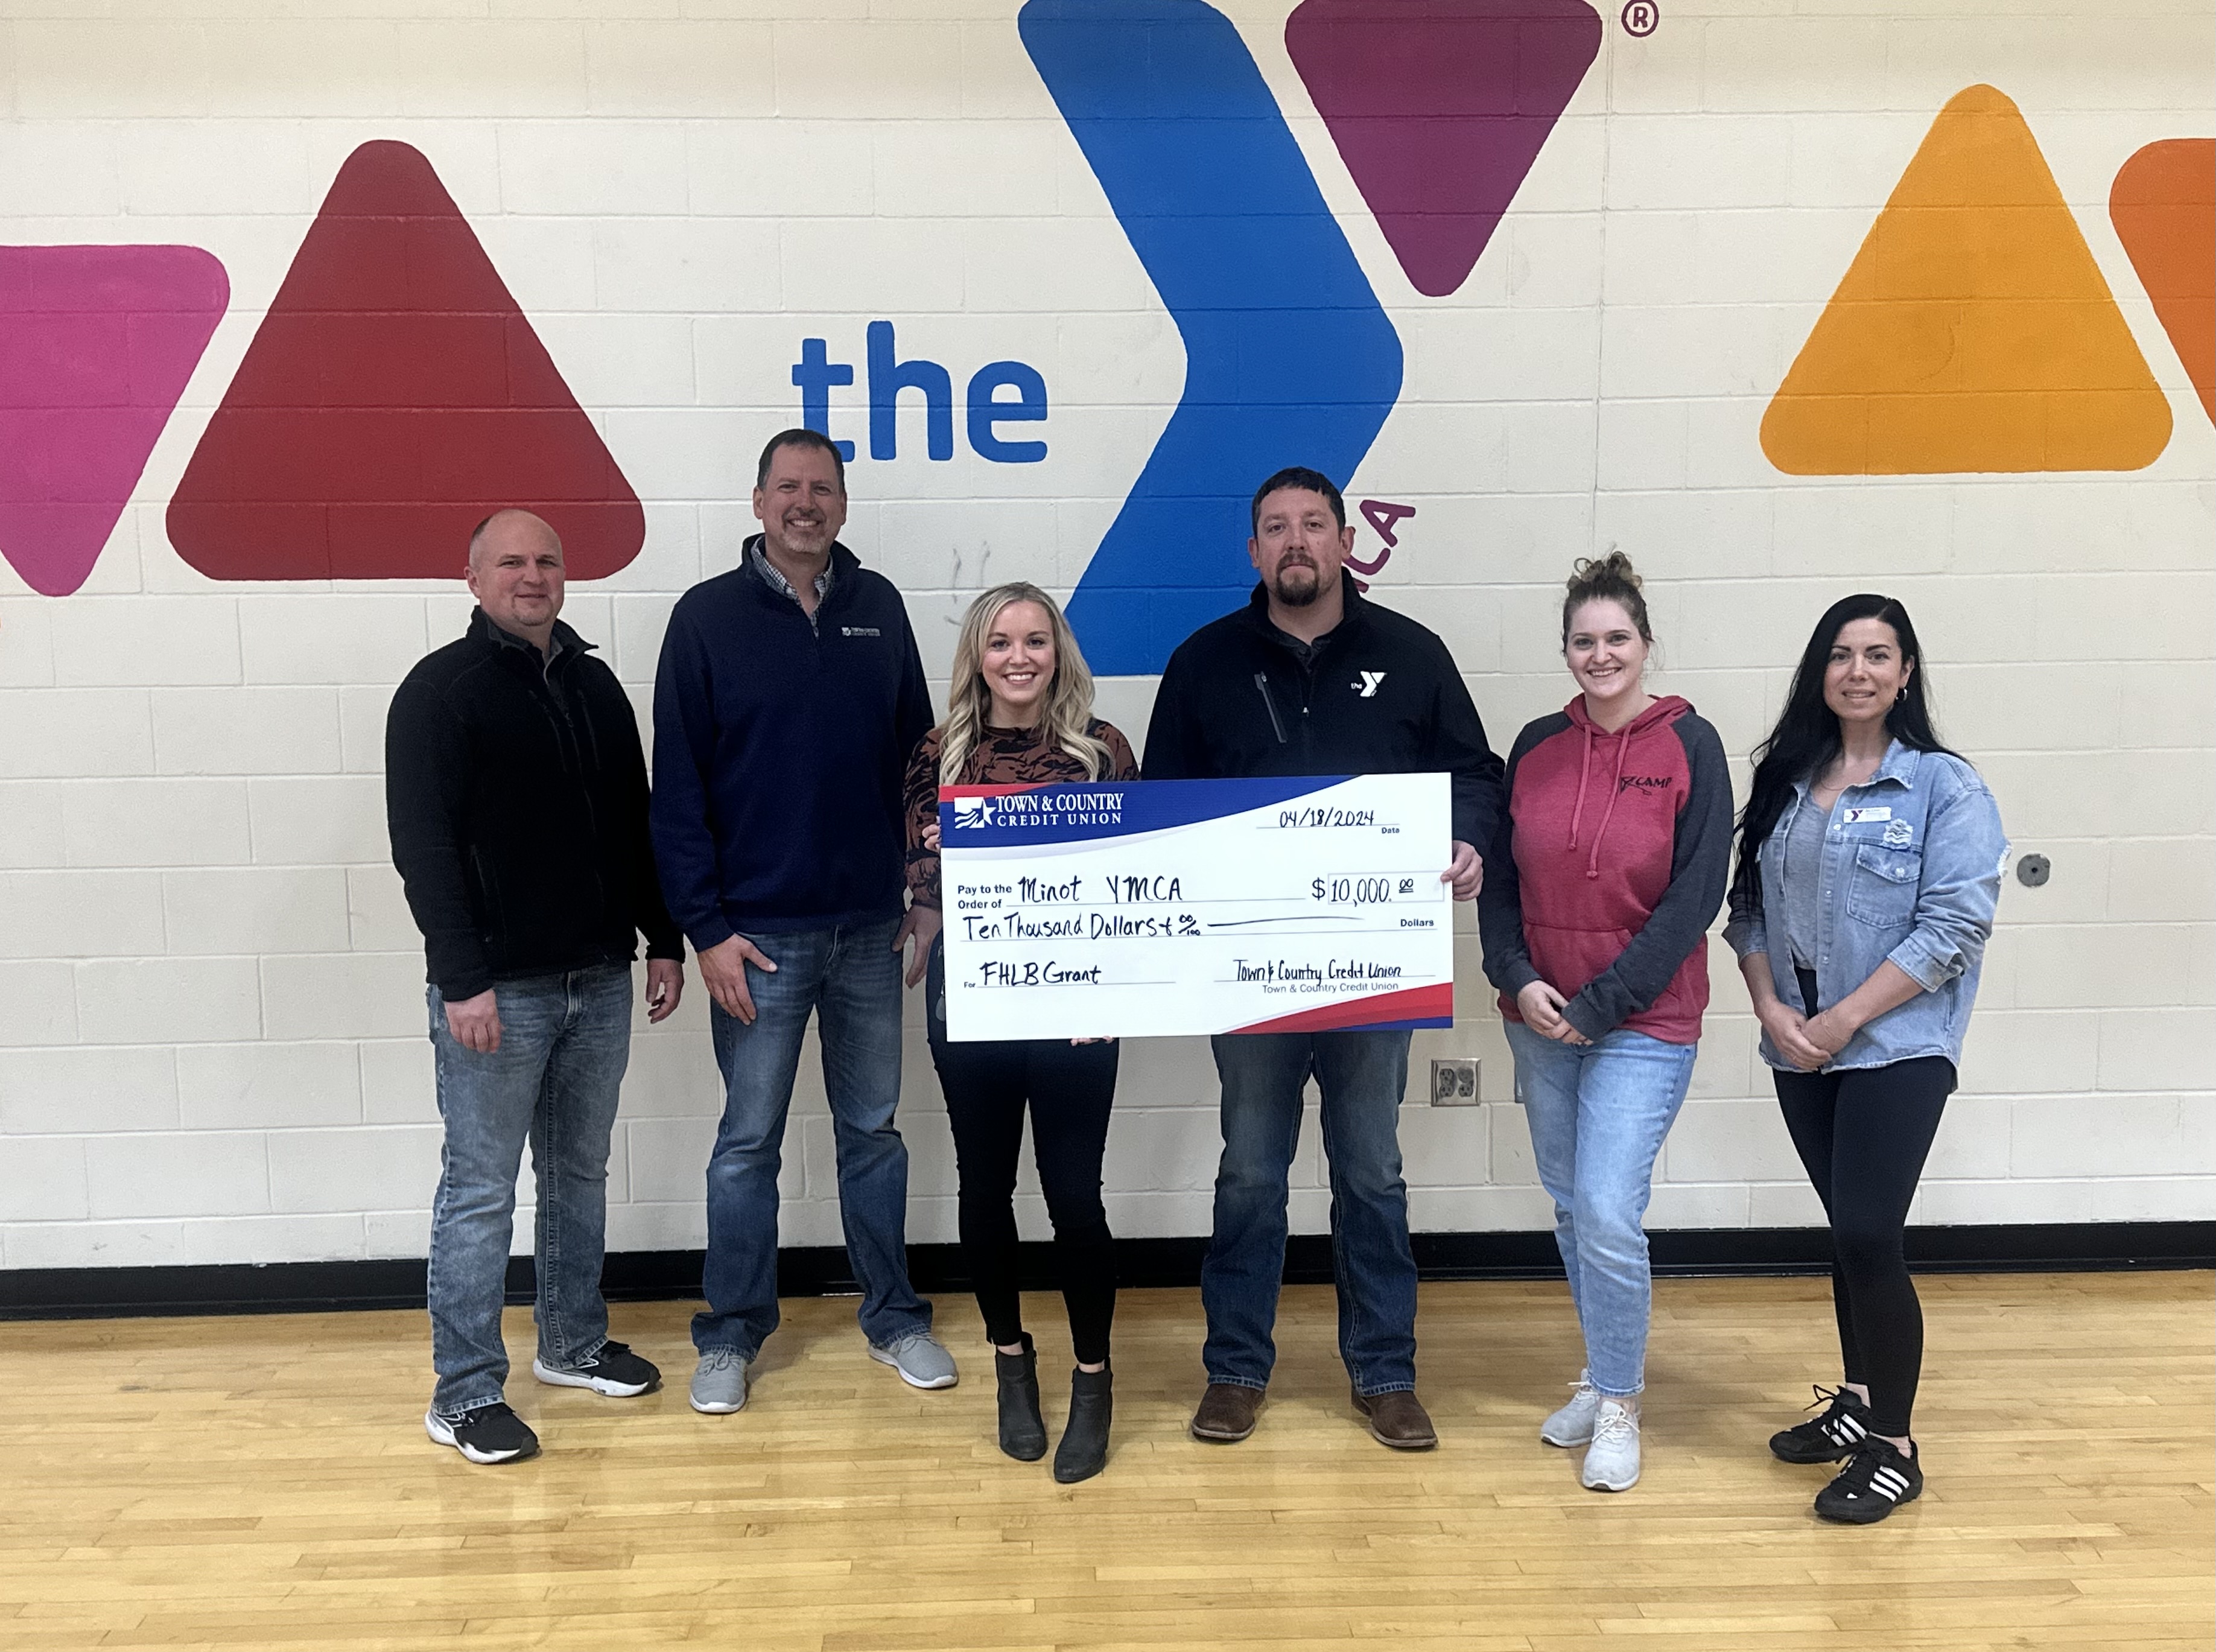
[96, 345]
[1439, 108]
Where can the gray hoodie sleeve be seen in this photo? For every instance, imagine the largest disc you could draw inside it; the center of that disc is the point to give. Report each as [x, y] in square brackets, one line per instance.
[1500, 897]
[1700, 865]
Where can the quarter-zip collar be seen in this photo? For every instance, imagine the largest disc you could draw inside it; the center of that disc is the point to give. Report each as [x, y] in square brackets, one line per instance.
[1353, 619]
[1307, 657]
[765, 574]
[563, 641]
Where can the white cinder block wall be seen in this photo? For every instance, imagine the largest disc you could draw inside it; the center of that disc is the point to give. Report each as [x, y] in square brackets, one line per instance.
[212, 1022]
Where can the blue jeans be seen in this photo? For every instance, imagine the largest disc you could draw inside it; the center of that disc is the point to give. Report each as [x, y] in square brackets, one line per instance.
[1361, 1077]
[850, 979]
[1597, 1114]
[564, 1042]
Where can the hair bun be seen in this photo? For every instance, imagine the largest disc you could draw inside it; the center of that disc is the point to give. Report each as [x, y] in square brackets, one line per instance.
[1610, 578]
[1600, 573]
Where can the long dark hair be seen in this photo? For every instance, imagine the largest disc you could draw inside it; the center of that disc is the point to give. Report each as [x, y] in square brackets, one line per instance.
[1806, 736]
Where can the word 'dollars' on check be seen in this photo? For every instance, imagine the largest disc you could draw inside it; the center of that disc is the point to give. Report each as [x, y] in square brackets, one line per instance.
[1166, 907]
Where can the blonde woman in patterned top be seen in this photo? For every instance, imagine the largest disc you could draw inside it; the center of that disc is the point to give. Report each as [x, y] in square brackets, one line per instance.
[1021, 714]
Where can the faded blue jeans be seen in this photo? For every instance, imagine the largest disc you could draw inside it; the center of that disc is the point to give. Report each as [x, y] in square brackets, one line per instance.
[850, 979]
[1361, 1077]
[564, 1042]
[1597, 1114]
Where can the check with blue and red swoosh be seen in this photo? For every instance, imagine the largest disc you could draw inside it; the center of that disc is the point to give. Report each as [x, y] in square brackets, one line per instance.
[1177, 907]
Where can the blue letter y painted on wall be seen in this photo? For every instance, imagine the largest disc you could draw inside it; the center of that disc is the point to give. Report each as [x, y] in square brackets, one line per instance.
[1289, 359]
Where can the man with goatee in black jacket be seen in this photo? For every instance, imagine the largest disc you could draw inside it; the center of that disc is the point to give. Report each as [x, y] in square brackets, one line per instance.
[516, 793]
[1312, 678]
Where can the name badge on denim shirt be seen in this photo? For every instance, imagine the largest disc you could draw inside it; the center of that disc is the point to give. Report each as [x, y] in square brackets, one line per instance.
[1857, 816]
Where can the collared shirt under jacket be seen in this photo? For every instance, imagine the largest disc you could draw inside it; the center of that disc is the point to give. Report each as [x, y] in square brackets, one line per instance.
[778, 750]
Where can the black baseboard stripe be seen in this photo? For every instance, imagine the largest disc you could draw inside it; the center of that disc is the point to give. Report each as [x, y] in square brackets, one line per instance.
[671, 1275]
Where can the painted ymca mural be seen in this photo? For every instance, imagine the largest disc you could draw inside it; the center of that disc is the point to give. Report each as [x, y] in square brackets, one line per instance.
[1784, 307]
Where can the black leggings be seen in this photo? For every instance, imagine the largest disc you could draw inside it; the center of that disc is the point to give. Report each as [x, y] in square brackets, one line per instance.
[1069, 1088]
[1864, 1136]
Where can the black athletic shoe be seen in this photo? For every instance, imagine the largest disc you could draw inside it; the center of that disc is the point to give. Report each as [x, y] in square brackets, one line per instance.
[1838, 1433]
[615, 1370]
[1876, 1481]
[489, 1433]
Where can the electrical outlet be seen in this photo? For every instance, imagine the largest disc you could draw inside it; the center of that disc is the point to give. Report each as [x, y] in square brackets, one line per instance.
[1454, 1081]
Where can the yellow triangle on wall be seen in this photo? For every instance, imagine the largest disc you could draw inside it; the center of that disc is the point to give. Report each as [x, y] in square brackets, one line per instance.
[1973, 330]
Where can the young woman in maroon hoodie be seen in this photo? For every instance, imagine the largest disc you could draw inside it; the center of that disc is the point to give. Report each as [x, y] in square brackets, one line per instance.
[1595, 916]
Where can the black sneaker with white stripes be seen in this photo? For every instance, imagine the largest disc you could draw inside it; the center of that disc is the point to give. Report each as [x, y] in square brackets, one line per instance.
[1839, 1432]
[615, 1370]
[487, 1433]
[1876, 1481]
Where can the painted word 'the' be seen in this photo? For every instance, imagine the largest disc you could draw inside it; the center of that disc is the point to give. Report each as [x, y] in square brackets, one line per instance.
[815, 373]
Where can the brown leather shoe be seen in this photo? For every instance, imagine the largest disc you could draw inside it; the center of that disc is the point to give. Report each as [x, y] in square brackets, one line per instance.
[1397, 1419]
[1227, 1412]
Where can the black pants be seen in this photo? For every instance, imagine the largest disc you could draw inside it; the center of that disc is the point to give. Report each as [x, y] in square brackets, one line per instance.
[1863, 1137]
[1069, 1088]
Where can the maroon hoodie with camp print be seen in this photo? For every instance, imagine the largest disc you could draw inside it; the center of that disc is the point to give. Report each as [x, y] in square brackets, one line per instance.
[1610, 867]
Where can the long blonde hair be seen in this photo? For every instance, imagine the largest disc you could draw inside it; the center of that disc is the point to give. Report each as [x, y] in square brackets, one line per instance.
[1065, 719]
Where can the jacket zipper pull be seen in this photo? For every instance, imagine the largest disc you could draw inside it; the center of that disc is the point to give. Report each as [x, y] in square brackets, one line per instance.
[1262, 687]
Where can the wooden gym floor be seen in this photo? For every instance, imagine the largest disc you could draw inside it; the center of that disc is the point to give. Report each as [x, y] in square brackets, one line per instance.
[265, 1482]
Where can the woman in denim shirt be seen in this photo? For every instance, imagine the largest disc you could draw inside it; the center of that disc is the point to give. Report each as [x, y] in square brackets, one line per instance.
[1869, 862]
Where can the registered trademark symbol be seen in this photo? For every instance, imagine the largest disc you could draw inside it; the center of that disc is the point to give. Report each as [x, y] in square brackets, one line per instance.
[1641, 16]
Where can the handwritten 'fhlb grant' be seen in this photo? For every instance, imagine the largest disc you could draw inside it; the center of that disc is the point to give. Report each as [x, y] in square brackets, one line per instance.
[1196, 906]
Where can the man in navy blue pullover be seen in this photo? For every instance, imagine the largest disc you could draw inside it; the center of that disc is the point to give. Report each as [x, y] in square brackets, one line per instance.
[789, 697]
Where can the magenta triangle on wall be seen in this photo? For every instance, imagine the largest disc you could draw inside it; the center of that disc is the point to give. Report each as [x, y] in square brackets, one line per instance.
[1439, 108]
[96, 345]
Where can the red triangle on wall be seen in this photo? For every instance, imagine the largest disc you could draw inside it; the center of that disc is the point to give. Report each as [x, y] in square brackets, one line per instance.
[394, 395]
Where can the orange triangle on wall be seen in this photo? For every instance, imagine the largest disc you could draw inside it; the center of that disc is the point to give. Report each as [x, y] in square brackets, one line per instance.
[2163, 207]
[1973, 331]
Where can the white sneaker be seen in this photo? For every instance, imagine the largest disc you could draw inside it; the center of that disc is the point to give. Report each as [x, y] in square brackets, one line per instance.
[1612, 1460]
[1573, 1424]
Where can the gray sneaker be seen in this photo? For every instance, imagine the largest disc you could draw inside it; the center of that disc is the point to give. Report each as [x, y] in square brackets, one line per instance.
[921, 1359]
[719, 1386]
[1612, 1460]
[1573, 1424]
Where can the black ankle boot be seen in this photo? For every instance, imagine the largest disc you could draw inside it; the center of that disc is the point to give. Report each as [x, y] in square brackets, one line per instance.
[1023, 1430]
[1084, 1449]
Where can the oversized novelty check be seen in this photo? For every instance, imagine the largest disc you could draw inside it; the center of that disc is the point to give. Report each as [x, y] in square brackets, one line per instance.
[1161, 907]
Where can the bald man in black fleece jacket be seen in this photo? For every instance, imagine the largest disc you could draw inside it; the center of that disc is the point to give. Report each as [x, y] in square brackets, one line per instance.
[516, 793]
